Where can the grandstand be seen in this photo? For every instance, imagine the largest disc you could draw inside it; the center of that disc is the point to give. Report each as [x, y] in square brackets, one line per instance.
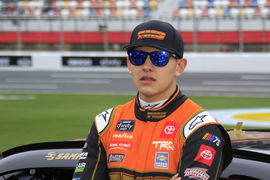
[206, 25]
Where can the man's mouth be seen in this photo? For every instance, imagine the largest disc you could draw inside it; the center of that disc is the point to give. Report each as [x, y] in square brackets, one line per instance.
[147, 78]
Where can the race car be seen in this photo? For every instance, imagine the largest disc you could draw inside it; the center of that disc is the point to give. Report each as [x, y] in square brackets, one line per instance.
[57, 160]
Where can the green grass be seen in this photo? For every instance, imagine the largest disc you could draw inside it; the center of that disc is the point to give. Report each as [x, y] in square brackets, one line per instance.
[57, 117]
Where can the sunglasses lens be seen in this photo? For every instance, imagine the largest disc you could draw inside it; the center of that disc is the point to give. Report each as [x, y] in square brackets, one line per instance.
[160, 58]
[137, 58]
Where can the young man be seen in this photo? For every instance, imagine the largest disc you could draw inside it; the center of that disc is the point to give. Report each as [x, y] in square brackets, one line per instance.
[161, 134]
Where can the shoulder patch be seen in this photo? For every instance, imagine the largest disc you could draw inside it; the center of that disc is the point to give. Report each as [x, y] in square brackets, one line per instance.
[199, 120]
[102, 119]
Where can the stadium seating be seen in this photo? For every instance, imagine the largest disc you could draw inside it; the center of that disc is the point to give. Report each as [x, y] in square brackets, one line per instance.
[79, 8]
[135, 8]
[222, 8]
[254, 17]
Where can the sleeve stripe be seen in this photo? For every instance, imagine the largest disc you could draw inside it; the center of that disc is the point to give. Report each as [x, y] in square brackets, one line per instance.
[98, 160]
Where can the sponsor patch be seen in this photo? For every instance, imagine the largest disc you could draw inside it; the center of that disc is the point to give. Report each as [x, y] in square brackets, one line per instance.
[120, 145]
[153, 34]
[212, 138]
[196, 173]
[163, 145]
[125, 125]
[205, 155]
[80, 167]
[162, 160]
[83, 155]
[78, 170]
[123, 136]
[102, 120]
[156, 115]
[169, 130]
[116, 157]
[197, 121]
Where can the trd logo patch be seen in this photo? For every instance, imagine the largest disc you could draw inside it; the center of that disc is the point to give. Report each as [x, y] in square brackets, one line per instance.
[206, 155]
[164, 145]
[116, 158]
[125, 125]
[162, 160]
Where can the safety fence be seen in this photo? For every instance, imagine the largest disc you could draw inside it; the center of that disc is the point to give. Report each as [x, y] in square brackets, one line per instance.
[116, 61]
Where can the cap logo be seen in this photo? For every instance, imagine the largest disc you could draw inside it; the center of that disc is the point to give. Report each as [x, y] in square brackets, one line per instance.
[152, 34]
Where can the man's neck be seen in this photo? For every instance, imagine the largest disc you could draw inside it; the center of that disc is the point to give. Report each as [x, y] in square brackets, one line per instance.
[157, 97]
[151, 105]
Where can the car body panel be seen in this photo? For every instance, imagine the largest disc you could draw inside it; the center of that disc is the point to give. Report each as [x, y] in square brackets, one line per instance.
[247, 168]
[251, 157]
[42, 155]
[41, 159]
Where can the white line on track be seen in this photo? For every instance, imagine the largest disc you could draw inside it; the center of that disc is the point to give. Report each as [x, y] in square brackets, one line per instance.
[16, 97]
[90, 76]
[255, 77]
[225, 89]
[58, 81]
[237, 83]
[28, 86]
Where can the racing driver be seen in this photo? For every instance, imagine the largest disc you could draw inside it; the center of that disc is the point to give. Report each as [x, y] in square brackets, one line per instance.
[161, 134]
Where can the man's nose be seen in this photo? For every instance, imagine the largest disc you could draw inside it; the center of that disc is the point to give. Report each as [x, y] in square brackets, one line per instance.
[148, 64]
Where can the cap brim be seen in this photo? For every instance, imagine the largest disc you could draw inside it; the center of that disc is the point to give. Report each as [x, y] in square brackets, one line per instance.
[134, 45]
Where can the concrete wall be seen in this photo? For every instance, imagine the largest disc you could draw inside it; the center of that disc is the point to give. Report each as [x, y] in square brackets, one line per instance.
[229, 62]
[197, 62]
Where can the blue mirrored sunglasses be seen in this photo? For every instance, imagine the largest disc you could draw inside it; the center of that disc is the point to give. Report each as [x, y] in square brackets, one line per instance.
[158, 58]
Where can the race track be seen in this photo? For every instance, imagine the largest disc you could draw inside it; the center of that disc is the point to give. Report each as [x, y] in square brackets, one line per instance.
[120, 82]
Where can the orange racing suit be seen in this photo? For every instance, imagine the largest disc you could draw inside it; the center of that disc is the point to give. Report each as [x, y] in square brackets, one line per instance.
[128, 142]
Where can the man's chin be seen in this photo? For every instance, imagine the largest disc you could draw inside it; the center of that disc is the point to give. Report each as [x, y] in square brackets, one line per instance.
[148, 92]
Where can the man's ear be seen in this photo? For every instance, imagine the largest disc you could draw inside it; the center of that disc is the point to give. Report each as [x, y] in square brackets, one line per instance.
[181, 65]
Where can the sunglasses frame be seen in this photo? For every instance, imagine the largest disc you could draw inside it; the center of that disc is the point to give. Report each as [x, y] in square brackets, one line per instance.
[154, 62]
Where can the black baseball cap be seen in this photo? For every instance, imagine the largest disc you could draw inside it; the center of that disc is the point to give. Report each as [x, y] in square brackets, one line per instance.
[158, 34]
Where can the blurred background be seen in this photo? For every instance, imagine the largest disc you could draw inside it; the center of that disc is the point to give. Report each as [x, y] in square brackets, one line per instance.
[98, 25]
[58, 56]
[221, 36]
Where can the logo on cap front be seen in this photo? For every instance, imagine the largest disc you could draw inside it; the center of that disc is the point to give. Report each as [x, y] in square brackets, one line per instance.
[152, 34]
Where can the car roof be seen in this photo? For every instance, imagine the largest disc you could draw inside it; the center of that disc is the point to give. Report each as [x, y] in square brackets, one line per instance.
[44, 145]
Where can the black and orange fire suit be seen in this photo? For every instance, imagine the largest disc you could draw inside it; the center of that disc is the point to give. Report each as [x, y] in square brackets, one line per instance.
[127, 142]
